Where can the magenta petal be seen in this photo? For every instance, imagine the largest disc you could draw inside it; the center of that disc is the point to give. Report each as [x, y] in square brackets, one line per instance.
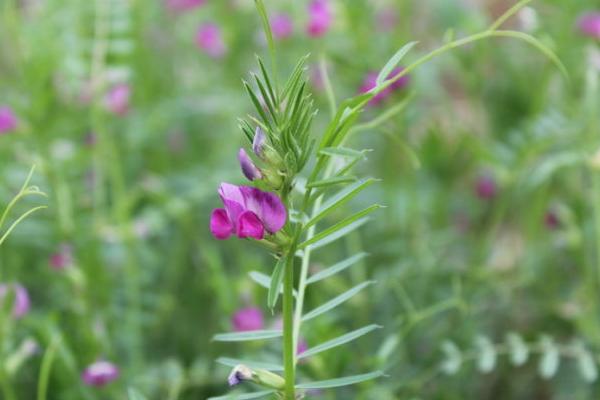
[100, 373]
[220, 225]
[273, 212]
[249, 225]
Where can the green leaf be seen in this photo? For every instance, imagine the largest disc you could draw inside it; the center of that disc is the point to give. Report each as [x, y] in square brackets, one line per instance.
[486, 360]
[135, 395]
[340, 229]
[519, 352]
[232, 362]
[345, 381]
[246, 336]
[339, 199]
[340, 340]
[585, 363]
[336, 180]
[265, 281]
[331, 304]
[245, 396]
[334, 269]
[391, 64]
[276, 283]
[550, 360]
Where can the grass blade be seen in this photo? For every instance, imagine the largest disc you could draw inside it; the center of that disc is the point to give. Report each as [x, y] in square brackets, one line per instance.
[345, 381]
[334, 269]
[247, 336]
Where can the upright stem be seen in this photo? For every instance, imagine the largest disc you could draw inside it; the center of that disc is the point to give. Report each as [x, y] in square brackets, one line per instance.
[288, 326]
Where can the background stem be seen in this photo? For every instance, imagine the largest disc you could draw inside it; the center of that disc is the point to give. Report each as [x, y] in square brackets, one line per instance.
[288, 326]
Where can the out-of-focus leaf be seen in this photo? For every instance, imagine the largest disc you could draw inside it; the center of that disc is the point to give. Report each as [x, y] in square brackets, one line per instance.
[245, 396]
[486, 360]
[393, 62]
[336, 231]
[276, 282]
[335, 180]
[550, 359]
[586, 364]
[133, 394]
[451, 365]
[519, 352]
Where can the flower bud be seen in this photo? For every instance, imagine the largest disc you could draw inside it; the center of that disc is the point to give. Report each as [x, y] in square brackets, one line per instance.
[242, 373]
[239, 374]
[248, 167]
[258, 143]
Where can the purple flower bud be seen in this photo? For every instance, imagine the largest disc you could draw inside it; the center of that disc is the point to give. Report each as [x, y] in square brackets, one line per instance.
[248, 168]
[248, 212]
[8, 120]
[117, 99]
[282, 26]
[239, 374]
[320, 18]
[589, 24]
[209, 39]
[551, 220]
[248, 319]
[485, 187]
[183, 5]
[100, 373]
[258, 143]
[19, 296]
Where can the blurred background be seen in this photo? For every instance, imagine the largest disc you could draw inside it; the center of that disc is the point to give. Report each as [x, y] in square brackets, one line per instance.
[129, 110]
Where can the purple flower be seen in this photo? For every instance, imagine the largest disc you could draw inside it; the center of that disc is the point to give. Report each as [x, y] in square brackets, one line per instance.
[589, 24]
[248, 168]
[8, 120]
[100, 373]
[319, 18]
[209, 39]
[248, 212]
[282, 26]
[370, 82]
[248, 319]
[20, 298]
[485, 187]
[62, 258]
[551, 220]
[258, 143]
[301, 347]
[183, 5]
[117, 99]
[239, 374]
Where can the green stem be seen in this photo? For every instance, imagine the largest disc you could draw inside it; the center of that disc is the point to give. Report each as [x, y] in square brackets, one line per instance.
[288, 326]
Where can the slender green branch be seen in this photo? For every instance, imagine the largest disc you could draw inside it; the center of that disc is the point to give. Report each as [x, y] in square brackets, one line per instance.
[509, 13]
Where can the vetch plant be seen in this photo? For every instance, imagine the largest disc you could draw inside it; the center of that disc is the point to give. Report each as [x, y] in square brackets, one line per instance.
[290, 216]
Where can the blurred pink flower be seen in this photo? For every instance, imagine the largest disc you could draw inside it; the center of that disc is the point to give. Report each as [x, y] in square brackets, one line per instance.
[551, 220]
[386, 19]
[370, 81]
[100, 373]
[20, 297]
[183, 5]
[62, 258]
[8, 120]
[117, 99]
[282, 26]
[248, 319]
[589, 24]
[485, 187]
[320, 18]
[210, 40]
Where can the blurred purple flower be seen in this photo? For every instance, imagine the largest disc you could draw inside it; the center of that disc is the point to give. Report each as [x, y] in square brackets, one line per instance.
[589, 24]
[8, 120]
[247, 319]
[248, 167]
[20, 298]
[282, 26]
[386, 19]
[320, 18]
[100, 373]
[117, 99]
[485, 187]
[248, 212]
[370, 82]
[301, 347]
[551, 220]
[210, 40]
[62, 258]
[183, 5]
